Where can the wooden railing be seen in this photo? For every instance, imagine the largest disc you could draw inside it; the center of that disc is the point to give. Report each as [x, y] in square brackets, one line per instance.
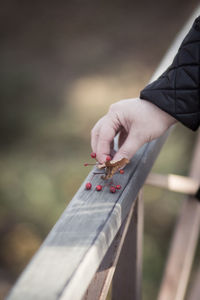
[98, 239]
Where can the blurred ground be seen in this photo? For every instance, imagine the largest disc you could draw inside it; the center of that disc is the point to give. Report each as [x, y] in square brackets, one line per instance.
[62, 64]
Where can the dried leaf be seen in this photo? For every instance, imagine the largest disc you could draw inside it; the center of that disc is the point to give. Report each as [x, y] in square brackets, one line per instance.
[111, 167]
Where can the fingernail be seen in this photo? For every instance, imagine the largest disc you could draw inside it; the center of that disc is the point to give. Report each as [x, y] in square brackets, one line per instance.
[116, 158]
[101, 159]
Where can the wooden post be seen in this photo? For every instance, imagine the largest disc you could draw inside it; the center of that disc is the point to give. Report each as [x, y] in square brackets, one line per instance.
[184, 242]
[99, 286]
[176, 183]
[194, 291]
[127, 277]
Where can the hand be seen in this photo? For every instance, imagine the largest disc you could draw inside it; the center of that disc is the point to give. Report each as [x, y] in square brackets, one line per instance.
[138, 121]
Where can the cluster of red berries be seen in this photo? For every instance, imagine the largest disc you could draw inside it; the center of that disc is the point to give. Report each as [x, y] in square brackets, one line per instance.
[99, 187]
[113, 188]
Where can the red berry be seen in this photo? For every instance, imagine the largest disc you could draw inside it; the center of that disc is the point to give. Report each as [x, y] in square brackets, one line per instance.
[99, 187]
[85, 165]
[88, 186]
[118, 187]
[121, 171]
[93, 155]
[108, 158]
[112, 189]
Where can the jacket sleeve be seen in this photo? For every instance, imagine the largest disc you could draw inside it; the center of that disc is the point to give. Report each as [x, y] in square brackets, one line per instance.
[177, 90]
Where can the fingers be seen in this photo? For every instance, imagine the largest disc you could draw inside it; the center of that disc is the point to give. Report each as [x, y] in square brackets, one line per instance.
[102, 136]
[138, 121]
[129, 147]
[95, 134]
[106, 136]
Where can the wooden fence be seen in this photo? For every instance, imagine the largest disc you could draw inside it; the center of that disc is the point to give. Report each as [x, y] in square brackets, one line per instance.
[98, 239]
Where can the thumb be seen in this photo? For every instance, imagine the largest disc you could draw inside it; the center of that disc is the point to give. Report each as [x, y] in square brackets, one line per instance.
[129, 147]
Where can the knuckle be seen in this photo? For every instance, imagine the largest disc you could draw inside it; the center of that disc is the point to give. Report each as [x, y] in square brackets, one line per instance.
[113, 107]
[104, 130]
[92, 132]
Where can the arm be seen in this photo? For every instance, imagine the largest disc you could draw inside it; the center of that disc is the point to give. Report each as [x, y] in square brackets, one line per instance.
[177, 90]
[174, 96]
[138, 122]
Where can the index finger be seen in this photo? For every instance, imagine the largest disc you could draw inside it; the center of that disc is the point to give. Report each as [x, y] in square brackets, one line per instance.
[106, 135]
[95, 134]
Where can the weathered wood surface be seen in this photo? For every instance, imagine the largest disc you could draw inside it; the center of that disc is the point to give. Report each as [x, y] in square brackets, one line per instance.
[127, 280]
[72, 252]
[184, 242]
[99, 286]
[69, 257]
[194, 291]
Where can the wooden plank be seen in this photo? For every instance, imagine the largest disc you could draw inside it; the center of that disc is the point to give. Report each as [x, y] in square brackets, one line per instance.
[176, 183]
[194, 292]
[128, 275]
[75, 247]
[99, 286]
[184, 242]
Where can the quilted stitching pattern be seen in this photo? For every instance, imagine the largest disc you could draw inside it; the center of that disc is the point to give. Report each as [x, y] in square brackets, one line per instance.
[177, 90]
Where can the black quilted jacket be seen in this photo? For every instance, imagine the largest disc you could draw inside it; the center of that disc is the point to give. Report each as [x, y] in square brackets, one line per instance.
[177, 90]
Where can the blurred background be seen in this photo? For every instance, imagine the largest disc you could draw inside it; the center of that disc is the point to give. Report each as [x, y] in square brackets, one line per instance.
[62, 64]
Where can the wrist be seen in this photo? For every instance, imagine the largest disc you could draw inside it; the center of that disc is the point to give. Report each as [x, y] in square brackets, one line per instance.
[165, 118]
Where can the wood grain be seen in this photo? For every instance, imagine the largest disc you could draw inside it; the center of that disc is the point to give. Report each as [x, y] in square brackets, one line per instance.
[194, 291]
[99, 286]
[128, 275]
[75, 247]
